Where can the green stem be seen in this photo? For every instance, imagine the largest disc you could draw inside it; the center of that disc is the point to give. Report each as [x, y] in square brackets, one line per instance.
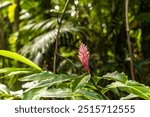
[128, 40]
[98, 90]
[58, 34]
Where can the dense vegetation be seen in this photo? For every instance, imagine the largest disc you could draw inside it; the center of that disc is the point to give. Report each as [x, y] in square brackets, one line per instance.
[40, 40]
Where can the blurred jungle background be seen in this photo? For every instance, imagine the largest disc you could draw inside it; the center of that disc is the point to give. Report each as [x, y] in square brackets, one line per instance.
[30, 28]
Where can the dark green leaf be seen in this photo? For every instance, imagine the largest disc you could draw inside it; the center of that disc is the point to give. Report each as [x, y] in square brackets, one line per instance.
[79, 82]
[34, 94]
[116, 76]
[139, 90]
[90, 94]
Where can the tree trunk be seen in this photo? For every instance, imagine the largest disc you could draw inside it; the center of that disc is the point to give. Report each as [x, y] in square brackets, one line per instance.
[16, 17]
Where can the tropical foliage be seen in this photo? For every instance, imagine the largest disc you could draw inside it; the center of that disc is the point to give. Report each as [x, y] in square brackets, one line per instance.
[33, 66]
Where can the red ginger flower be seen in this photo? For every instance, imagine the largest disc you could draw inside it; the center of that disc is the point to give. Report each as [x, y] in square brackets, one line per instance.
[84, 57]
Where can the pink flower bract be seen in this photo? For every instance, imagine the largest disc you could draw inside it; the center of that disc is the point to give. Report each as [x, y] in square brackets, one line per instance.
[84, 57]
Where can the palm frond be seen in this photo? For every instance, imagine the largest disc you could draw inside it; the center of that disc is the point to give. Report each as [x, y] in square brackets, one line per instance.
[47, 35]
[5, 4]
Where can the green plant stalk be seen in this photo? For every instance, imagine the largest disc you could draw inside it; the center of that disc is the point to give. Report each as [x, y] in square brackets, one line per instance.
[98, 90]
[128, 40]
[58, 34]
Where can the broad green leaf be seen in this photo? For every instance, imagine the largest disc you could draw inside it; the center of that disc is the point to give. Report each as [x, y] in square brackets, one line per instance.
[57, 93]
[104, 90]
[54, 80]
[96, 79]
[134, 83]
[116, 76]
[37, 93]
[90, 94]
[34, 94]
[79, 97]
[10, 69]
[128, 97]
[115, 91]
[20, 58]
[38, 76]
[139, 90]
[46, 79]
[30, 85]
[79, 82]
[63, 85]
[16, 71]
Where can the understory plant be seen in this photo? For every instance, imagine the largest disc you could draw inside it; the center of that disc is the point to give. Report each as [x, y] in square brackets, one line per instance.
[37, 84]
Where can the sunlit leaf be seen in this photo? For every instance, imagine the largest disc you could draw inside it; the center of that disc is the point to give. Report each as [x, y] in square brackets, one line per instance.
[20, 58]
[16, 71]
[45, 79]
[57, 93]
[5, 4]
[4, 89]
[54, 80]
[10, 69]
[38, 76]
[128, 97]
[11, 12]
[7, 94]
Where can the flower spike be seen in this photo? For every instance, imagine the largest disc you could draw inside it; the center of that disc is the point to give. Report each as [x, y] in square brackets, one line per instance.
[84, 57]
